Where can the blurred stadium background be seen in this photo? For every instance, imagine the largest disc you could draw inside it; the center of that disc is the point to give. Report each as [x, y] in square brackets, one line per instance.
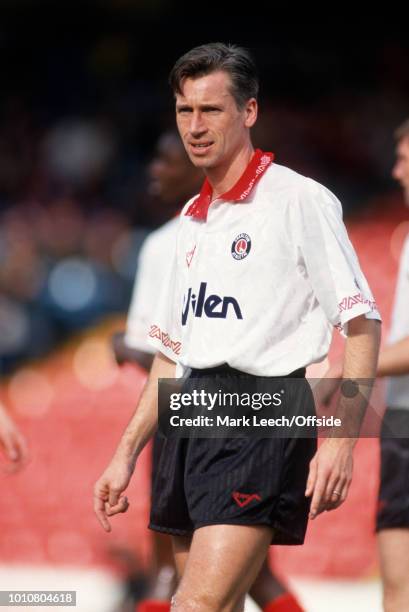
[83, 99]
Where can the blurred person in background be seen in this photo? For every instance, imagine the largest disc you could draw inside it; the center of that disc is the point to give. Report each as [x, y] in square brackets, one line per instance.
[173, 179]
[392, 521]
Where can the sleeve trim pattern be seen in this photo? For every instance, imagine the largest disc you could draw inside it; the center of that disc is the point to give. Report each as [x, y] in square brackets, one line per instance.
[350, 301]
[156, 332]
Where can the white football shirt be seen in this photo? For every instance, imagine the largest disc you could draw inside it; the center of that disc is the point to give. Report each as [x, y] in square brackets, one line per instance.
[260, 276]
[154, 266]
[397, 395]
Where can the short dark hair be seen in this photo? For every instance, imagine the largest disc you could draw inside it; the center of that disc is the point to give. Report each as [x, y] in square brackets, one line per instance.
[402, 131]
[203, 60]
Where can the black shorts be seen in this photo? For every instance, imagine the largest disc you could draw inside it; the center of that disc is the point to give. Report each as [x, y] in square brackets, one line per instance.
[236, 481]
[393, 499]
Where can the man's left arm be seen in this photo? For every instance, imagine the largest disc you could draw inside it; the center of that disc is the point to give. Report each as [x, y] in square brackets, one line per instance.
[331, 467]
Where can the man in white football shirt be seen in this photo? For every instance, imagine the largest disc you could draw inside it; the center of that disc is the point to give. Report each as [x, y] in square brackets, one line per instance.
[173, 179]
[263, 270]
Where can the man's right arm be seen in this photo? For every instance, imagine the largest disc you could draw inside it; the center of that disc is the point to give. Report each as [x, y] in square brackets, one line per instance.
[108, 491]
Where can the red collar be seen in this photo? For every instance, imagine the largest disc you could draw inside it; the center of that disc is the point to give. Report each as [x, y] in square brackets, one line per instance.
[239, 192]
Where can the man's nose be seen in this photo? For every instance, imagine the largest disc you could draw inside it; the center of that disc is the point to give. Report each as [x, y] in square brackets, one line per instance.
[197, 125]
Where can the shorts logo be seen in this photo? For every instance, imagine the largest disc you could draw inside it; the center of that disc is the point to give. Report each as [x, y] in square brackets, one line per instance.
[241, 246]
[243, 499]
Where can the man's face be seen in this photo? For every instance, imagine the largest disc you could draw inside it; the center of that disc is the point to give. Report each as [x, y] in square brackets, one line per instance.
[171, 175]
[400, 170]
[211, 126]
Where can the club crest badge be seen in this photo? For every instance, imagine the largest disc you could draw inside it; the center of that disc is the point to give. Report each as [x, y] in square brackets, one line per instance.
[241, 246]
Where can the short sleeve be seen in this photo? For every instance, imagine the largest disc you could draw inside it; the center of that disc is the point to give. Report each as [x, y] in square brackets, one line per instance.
[329, 259]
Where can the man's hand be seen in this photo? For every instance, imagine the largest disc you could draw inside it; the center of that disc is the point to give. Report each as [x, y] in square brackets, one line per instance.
[330, 475]
[108, 498]
[331, 469]
[12, 442]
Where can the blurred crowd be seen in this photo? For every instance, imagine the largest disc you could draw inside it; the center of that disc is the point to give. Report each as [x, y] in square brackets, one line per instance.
[61, 269]
[67, 254]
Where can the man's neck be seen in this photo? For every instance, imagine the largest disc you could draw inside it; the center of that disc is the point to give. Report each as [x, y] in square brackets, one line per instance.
[224, 178]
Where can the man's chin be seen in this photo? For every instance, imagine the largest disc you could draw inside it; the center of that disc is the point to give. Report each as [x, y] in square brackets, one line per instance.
[202, 162]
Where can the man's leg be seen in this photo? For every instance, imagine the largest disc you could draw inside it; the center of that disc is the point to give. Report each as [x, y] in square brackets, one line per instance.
[222, 564]
[394, 559]
[181, 547]
[271, 595]
[266, 587]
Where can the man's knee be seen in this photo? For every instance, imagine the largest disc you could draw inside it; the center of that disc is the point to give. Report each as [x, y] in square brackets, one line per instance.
[395, 588]
[185, 601]
[395, 595]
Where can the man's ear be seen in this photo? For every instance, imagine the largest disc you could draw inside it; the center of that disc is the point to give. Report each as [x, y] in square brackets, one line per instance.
[251, 110]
